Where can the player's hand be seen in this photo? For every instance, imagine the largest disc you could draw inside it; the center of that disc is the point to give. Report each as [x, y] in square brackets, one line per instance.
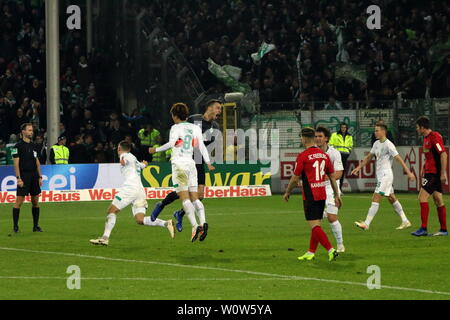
[338, 202]
[411, 177]
[356, 171]
[286, 197]
[145, 162]
[152, 150]
[444, 178]
[40, 181]
[20, 183]
[211, 167]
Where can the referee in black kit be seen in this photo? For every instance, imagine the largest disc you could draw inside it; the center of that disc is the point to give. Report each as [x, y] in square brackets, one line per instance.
[28, 172]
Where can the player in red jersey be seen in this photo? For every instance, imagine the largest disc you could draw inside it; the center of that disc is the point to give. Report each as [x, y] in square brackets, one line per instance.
[312, 165]
[434, 175]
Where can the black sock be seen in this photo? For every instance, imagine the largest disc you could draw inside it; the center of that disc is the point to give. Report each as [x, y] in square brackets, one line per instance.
[16, 213]
[171, 197]
[35, 212]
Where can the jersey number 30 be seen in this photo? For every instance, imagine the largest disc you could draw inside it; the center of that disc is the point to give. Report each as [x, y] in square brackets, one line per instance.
[320, 169]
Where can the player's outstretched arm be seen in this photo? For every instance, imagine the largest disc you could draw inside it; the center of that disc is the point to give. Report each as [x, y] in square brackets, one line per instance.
[362, 164]
[405, 168]
[292, 184]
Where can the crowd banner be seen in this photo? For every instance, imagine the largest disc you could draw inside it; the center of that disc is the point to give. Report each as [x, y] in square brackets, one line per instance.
[365, 181]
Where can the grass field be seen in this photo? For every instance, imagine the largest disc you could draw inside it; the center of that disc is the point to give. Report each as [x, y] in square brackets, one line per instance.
[250, 253]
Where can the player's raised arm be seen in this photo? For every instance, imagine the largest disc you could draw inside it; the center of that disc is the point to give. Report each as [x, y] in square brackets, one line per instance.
[399, 159]
[169, 145]
[362, 164]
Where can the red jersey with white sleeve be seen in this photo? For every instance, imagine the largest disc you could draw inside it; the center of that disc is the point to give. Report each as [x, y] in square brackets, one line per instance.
[433, 146]
[312, 165]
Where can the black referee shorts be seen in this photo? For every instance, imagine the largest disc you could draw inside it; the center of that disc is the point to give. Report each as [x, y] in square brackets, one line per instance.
[30, 185]
[431, 182]
[200, 174]
[313, 209]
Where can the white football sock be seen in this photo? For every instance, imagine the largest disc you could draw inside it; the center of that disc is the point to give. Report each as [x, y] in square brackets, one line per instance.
[372, 212]
[190, 212]
[109, 225]
[157, 223]
[200, 210]
[399, 209]
[336, 227]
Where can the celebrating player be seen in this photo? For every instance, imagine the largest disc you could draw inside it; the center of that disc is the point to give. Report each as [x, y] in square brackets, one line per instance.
[434, 175]
[312, 165]
[331, 211]
[207, 123]
[384, 151]
[184, 137]
[132, 192]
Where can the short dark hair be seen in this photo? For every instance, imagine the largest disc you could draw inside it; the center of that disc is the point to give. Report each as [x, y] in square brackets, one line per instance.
[326, 132]
[180, 110]
[308, 132]
[124, 145]
[382, 125]
[423, 122]
[25, 125]
[212, 102]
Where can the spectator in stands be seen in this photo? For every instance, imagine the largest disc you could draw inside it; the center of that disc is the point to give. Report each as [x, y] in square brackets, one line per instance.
[100, 155]
[41, 149]
[333, 104]
[19, 119]
[2, 153]
[78, 151]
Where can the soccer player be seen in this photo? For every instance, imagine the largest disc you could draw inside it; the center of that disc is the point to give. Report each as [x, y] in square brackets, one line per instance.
[184, 137]
[132, 192]
[434, 175]
[312, 165]
[29, 178]
[384, 151]
[331, 211]
[207, 122]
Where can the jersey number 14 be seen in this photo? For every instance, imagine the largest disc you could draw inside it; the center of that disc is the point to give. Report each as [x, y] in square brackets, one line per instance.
[320, 169]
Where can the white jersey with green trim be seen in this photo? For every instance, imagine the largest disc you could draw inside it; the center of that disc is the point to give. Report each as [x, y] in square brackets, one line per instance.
[184, 137]
[385, 152]
[131, 169]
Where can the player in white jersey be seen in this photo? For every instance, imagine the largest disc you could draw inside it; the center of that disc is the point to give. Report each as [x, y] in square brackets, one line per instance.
[384, 151]
[132, 192]
[184, 137]
[331, 211]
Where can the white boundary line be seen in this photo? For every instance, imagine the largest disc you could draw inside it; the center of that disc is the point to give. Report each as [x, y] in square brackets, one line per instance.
[270, 275]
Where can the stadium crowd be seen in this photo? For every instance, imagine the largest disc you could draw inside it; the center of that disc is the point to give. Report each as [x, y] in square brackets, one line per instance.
[91, 135]
[397, 60]
[397, 57]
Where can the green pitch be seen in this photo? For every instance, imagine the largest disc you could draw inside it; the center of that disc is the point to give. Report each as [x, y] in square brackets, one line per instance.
[250, 253]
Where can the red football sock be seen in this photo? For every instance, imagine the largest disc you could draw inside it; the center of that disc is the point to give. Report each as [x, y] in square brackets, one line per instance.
[424, 211]
[313, 242]
[323, 239]
[442, 217]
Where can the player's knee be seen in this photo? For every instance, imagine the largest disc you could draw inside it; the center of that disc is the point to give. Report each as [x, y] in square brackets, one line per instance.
[139, 220]
[332, 218]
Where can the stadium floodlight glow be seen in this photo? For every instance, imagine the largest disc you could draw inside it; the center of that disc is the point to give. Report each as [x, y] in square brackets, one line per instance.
[234, 96]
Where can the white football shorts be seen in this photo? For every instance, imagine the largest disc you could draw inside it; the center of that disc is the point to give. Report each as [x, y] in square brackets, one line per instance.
[184, 176]
[385, 181]
[135, 197]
